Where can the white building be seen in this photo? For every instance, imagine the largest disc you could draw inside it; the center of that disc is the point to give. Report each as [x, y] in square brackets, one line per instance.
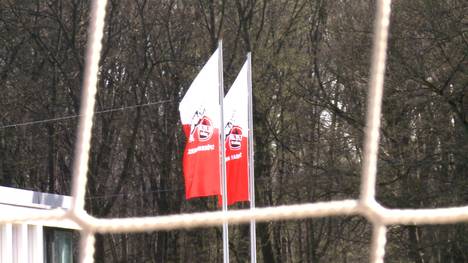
[41, 242]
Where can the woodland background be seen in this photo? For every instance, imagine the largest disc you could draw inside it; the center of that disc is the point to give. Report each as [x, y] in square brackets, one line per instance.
[310, 75]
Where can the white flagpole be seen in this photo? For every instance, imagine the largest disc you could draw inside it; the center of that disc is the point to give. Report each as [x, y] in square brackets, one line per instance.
[223, 154]
[253, 234]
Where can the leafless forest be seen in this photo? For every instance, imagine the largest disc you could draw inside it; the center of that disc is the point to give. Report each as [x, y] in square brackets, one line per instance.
[310, 75]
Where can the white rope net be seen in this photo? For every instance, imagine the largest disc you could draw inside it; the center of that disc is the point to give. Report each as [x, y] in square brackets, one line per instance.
[366, 206]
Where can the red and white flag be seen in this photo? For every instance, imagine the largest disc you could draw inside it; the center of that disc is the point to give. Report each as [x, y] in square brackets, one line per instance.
[236, 126]
[200, 117]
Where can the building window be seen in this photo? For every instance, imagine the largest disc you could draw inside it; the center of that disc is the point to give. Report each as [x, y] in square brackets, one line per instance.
[58, 247]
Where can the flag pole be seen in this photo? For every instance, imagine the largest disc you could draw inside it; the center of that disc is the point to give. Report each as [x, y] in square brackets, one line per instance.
[253, 234]
[223, 153]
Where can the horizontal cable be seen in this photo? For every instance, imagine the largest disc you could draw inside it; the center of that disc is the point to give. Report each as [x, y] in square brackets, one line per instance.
[78, 115]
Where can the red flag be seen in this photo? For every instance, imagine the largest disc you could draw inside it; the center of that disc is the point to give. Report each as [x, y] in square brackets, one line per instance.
[236, 139]
[200, 117]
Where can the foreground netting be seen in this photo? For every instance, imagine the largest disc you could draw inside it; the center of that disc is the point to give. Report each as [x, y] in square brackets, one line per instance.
[366, 206]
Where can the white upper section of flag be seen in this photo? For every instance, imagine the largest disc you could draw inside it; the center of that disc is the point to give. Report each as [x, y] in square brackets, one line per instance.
[236, 103]
[202, 97]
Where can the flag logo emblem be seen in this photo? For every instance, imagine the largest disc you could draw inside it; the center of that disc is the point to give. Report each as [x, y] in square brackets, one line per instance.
[201, 126]
[235, 138]
[205, 129]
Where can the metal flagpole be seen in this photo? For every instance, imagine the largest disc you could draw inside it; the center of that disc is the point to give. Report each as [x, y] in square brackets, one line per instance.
[253, 234]
[223, 153]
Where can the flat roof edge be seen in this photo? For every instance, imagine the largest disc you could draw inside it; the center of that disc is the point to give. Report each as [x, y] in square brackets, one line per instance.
[28, 198]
